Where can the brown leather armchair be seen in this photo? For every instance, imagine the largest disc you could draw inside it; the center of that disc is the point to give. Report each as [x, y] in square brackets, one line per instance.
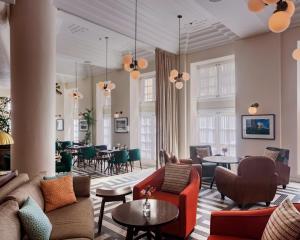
[256, 181]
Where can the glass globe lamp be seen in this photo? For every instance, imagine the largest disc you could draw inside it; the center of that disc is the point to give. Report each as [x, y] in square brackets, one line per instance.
[185, 76]
[174, 73]
[279, 21]
[291, 7]
[270, 1]
[101, 84]
[135, 74]
[142, 63]
[252, 110]
[127, 59]
[179, 85]
[256, 5]
[296, 54]
[172, 79]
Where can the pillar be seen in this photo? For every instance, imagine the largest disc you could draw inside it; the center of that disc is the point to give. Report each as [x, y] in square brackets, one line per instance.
[33, 74]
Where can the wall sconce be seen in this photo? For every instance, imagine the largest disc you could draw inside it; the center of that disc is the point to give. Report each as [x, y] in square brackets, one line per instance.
[117, 114]
[253, 108]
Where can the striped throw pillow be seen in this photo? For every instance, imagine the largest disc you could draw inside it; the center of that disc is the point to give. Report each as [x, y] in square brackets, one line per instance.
[176, 177]
[284, 223]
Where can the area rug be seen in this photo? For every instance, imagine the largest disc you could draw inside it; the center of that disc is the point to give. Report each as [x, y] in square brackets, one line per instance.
[209, 200]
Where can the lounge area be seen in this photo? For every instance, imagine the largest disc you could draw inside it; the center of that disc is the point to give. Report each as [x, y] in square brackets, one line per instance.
[139, 119]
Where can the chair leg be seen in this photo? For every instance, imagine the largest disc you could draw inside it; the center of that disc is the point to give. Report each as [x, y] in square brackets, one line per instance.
[284, 186]
[222, 196]
[141, 164]
[268, 204]
[130, 165]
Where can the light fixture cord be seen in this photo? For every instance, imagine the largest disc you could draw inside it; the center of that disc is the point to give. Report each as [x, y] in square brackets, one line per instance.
[106, 43]
[76, 75]
[135, 32]
[179, 45]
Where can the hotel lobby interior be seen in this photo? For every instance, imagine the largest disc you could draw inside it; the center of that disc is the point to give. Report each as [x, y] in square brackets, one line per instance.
[150, 119]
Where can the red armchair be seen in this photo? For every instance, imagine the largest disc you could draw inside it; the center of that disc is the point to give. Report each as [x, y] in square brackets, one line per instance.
[225, 225]
[186, 201]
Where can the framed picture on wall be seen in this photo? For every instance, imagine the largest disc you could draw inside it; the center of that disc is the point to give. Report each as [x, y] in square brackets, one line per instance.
[121, 125]
[258, 126]
[59, 124]
[83, 126]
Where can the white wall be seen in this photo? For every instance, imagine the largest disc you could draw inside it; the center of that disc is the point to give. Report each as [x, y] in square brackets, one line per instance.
[267, 74]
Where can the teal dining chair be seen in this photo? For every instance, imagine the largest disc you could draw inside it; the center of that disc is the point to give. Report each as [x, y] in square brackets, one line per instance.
[135, 155]
[65, 164]
[119, 160]
[88, 154]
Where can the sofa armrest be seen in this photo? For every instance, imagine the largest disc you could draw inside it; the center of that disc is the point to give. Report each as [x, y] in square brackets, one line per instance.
[155, 180]
[226, 181]
[240, 224]
[82, 185]
[188, 200]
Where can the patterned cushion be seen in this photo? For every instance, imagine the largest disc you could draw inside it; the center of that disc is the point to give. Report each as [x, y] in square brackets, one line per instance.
[58, 192]
[271, 154]
[10, 227]
[34, 221]
[176, 178]
[284, 223]
[203, 152]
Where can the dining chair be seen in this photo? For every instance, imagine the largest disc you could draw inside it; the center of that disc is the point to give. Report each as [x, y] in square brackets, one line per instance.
[120, 159]
[135, 155]
[89, 154]
[65, 164]
[101, 157]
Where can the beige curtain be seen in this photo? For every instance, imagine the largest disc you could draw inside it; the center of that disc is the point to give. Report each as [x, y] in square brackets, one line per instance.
[166, 104]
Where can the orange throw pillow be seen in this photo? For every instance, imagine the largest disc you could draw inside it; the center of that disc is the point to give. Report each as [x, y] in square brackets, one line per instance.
[58, 192]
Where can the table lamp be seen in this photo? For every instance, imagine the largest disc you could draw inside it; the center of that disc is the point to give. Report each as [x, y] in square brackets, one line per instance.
[5, 138]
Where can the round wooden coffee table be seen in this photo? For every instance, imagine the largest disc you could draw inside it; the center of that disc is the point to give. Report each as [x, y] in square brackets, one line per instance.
[131, 216]
[224, 161]
[111, 195]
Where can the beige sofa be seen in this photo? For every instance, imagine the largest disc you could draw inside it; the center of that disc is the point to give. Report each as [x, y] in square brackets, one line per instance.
[75, 221]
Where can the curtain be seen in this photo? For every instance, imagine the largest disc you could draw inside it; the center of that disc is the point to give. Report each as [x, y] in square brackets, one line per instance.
[167, 99]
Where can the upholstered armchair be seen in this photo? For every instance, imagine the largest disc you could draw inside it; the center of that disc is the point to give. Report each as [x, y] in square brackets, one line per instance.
[186, 201]
[65, 164]
[197, 153]
[240, 224]
[282, 167]
[256, 181]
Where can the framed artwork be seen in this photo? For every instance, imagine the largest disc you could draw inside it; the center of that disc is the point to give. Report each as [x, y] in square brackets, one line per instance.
[121, 125]
[258, 126]
[83, 126]
[59, 124]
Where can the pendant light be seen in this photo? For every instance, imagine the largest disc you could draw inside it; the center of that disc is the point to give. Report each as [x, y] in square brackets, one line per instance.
[296, 54]
[106, 85]
[131, 63]
[76, 95]
[281, 18]
[176, 76]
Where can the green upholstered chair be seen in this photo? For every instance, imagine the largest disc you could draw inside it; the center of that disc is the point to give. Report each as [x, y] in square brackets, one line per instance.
[120, 159]
[65, 144]
[135, 155]
[65, 164]
[87, 154]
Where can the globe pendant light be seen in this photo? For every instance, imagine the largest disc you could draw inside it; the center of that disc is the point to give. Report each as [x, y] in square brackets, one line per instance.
[296, 54]
[176, 76]
[106, 85]
[131, 63]
[280, 20]
[76, 95]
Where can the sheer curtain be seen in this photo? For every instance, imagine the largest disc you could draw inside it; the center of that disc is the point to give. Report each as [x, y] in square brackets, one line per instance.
[167, 99]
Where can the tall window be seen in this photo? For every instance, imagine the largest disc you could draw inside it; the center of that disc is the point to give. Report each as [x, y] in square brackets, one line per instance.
[213, 104]
[147, 123]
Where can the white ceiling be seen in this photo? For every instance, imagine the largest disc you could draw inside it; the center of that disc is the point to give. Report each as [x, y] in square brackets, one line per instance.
[83, 24]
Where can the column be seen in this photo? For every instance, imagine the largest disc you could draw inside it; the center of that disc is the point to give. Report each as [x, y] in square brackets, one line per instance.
[33, 74]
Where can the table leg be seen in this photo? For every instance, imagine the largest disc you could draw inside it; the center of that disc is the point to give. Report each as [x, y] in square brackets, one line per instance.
[228, 166]
[213, 180]
[149, 236]
[129, 235]
[124, 199]
[101, 215]
[157, 234]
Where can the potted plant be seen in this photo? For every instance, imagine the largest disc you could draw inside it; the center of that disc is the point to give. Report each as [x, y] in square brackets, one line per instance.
[88, 117]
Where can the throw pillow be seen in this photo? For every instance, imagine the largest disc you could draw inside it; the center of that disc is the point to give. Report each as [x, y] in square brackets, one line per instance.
[7, 177]
[203, 152]
[58, 192]
[176, 178]
[34, 221]
[271, 154]
[284, 223]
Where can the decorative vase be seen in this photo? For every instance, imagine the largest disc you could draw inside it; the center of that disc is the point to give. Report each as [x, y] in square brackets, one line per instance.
[146, 208]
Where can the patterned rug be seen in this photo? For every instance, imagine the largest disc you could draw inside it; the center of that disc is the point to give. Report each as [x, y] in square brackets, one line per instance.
[209, 200]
